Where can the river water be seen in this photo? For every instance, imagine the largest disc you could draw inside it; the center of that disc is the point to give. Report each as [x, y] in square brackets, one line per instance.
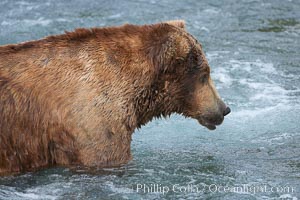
[253, 48]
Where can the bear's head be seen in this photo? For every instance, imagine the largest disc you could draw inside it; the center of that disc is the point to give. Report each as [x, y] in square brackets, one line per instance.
[184, 74]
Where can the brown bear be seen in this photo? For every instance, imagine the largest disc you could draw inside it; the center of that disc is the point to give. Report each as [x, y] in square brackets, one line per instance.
[75, 99]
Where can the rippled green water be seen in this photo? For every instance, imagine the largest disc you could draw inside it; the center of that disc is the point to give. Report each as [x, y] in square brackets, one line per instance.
[253, 48]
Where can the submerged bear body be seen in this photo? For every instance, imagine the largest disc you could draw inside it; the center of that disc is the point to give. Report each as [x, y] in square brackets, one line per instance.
[75, 99]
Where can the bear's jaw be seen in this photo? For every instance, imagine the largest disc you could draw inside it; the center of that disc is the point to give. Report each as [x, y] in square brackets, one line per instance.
[206, 124]
[208, 121]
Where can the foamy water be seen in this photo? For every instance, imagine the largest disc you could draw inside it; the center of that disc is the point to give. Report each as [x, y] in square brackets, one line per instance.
[253, 48]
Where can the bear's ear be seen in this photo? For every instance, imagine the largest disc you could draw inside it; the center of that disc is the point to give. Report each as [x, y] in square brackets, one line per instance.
[162, 53]
[178, 23]
[165, 53]
[165, 46]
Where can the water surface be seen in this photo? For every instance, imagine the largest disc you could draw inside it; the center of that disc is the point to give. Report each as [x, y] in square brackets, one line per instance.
[253, 48]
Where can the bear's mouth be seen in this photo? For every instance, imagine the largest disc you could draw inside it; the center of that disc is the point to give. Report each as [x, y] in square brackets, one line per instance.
[209, 125]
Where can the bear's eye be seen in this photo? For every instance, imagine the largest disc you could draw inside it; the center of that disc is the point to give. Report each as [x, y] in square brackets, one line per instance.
[197, 67]
[194, 69]
[204, 78]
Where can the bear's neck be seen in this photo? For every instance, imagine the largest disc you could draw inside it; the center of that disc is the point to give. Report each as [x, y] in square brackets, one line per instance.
[154, 101]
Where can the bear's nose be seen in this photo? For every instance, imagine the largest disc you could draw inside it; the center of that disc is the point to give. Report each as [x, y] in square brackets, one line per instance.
[226, 111]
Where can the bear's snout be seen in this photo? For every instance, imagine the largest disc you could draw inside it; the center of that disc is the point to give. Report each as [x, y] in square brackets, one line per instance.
[214, 116]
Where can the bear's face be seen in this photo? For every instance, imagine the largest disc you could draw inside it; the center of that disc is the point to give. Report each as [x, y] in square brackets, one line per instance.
[182, 73]
[202, 101]
[187, 74]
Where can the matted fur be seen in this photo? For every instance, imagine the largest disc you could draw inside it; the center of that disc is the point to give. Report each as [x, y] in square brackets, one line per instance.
[75, 99]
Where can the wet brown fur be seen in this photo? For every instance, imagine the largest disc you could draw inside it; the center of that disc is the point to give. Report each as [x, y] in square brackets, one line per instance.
[75, 99]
